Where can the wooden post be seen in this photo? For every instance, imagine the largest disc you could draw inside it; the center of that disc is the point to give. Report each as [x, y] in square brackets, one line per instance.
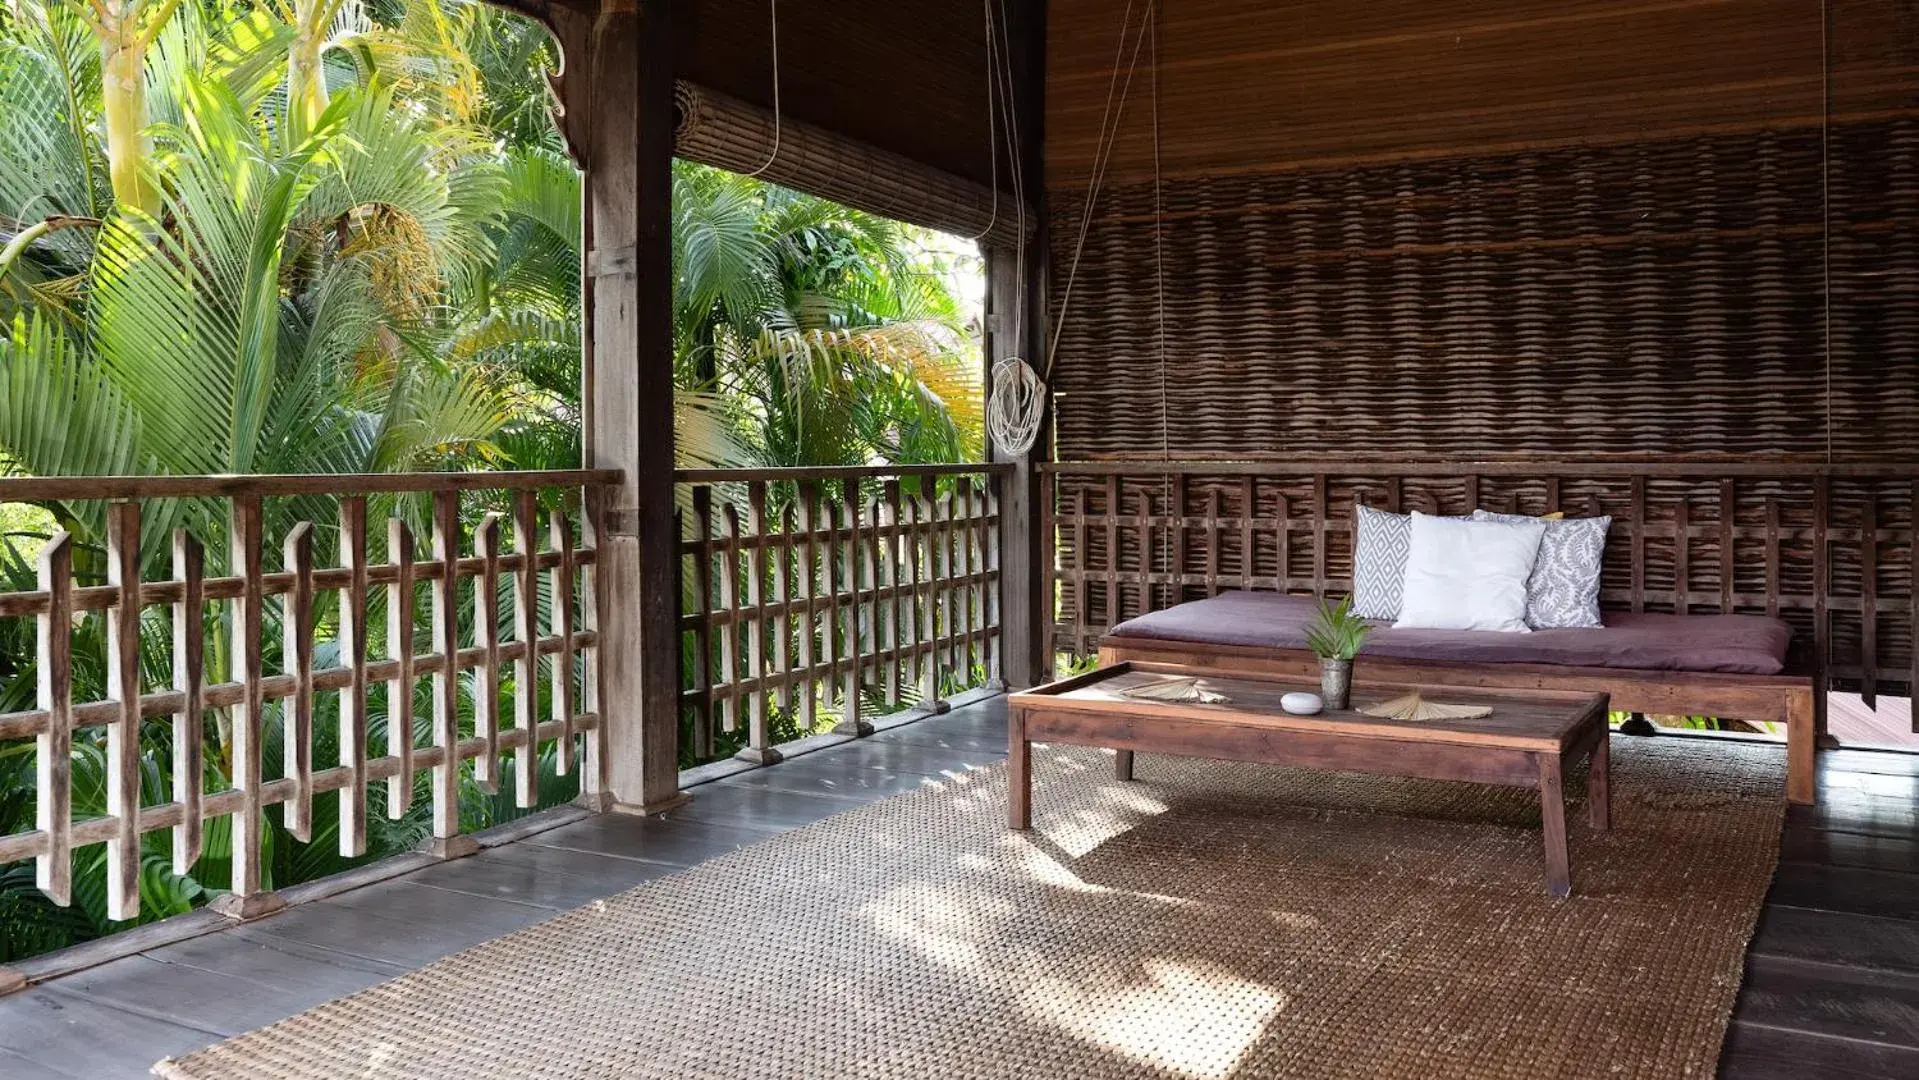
[447, 841]
[628, 393]
[353, 635]
[526, 628]
[189, 665]
[1017, 287]
[123, 735]
[486, 605]
[53, 756]
[853, 647]
[560, 537]
[247, 900]
[399, 643]
[296, 659]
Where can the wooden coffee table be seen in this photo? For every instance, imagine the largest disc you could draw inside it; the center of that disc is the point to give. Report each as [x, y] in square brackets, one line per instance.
[1531, 740]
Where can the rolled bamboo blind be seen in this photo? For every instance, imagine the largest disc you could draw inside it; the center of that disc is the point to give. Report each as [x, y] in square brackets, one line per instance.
[731, 134]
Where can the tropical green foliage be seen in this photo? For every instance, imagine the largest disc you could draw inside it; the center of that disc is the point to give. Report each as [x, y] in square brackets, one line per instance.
[343, 235]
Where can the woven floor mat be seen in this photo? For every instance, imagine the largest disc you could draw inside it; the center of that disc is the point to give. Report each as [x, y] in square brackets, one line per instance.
[1210, 920]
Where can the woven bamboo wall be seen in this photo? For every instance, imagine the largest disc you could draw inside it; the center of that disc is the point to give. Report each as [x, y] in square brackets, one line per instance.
[1499, 228]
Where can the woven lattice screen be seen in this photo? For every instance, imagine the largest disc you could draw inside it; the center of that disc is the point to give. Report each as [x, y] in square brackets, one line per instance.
[730, 134]
[1655, 298]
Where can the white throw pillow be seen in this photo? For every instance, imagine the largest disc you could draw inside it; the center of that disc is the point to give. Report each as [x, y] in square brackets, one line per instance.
[1379, 560]
[1468, 575]
[1563, 592]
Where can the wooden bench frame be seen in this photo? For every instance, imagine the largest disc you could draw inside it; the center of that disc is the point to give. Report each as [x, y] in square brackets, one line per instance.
[1786, 699]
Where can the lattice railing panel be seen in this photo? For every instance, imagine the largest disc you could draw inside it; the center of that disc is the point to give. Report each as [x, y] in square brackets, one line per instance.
[500, 598]
[1828, 548]
[809, 593]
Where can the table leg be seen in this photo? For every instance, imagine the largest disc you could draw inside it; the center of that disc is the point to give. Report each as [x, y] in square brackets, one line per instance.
[1552, 816]
[1122, 764]
[1019, 773]
[1599, 785]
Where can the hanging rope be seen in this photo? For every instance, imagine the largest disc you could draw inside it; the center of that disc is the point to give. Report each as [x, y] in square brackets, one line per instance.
[992, 124]
[1017, 402]
[1109, 122]
[773, 15]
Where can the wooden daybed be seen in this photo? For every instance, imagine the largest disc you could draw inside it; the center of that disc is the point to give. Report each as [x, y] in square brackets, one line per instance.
[1710, 665]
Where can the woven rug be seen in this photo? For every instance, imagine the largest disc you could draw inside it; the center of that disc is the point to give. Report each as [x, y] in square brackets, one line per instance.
[1211, 920]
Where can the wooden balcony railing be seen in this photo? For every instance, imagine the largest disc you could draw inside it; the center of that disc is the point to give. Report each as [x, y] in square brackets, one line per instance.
[801, 586]
[1827, 547]
[500, 606]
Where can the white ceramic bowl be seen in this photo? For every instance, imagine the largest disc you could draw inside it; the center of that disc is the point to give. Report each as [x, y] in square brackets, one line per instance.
[1301, 703]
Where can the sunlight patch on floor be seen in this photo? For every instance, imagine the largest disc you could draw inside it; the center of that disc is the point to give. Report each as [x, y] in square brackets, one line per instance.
[1194, 1019]
[1082, 829]
[944, 928]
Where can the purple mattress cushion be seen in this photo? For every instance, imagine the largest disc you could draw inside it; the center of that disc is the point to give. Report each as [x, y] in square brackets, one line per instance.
[1746, 644]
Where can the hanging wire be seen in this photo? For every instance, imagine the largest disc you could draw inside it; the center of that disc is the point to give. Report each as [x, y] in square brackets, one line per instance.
[1016, 400]
[773, 11]
[1175, 515]
[1102, 157]
[992, 123]
[1159, 248]
[1004, 73]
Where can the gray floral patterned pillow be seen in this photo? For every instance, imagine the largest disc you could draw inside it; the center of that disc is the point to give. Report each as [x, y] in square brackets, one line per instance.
[1563, 592]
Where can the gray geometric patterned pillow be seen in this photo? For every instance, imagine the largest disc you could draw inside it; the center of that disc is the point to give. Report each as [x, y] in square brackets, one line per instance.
[1379, 561]
[1563, 592]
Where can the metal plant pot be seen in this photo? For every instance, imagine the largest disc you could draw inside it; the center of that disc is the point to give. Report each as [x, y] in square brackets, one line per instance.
[1335, 682]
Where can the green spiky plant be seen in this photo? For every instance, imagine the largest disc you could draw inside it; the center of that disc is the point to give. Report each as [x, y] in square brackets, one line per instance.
[1336, 633]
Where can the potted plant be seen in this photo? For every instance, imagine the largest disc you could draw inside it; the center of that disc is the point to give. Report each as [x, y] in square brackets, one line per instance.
[1335, 637]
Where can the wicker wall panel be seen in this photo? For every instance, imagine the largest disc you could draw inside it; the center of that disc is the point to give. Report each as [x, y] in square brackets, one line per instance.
[1874, 207]
[1643, 299]
[1830, 550]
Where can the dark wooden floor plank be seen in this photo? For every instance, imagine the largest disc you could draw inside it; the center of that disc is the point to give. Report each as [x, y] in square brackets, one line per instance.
[984, 718]
[293, 969]
[1759, 1053]
[758, 809]
[200, 998]
[387, 934]
[1802, 843]
[1870, 761]
[818, 774]
[923, 734]
[1838, 938]
[12, 1064]
[1885, 785]
[911, 757]
[1844, 810]
[672, 842]
[1842, 1003]
[1888, 893]
[549, 876]
[70, 1035]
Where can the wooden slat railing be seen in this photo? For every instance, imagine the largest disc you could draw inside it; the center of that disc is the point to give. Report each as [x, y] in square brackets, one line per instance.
[803, 588]
[1829, 548]
[304, 605]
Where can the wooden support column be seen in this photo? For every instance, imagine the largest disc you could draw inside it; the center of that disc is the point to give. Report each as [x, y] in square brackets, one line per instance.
[623, 126]
[1025, 551]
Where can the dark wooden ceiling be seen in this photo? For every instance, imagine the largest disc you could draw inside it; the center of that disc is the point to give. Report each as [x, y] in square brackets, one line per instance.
[905, 75]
